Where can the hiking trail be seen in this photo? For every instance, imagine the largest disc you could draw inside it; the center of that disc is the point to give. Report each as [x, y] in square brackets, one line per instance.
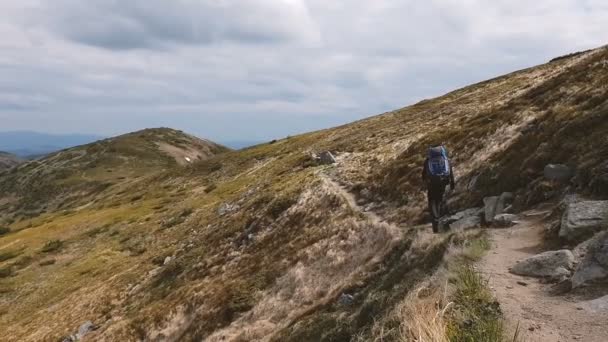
[542, 317]
[352, 202]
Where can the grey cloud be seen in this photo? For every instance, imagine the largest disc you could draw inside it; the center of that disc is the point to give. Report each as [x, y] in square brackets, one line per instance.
[200, 68]
[122, 25]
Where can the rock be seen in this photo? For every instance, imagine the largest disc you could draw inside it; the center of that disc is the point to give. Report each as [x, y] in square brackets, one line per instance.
[326, 158]
[495, 205]
[597, 305]
[581, 220]
[552, 264]
[346, 299]
[167, 260]
[561, 287]
[365, 193]
[505, 220]
[85, 328]
[594, 267]
[489, 206]
[227, 208]
[466, 219]
[558, 172]
[522, 283]
[470, 222]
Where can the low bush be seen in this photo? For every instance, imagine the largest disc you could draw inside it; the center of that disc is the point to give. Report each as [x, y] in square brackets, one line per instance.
[52, 246]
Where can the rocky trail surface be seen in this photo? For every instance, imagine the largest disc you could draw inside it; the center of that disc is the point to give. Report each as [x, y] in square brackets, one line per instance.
[528, 303]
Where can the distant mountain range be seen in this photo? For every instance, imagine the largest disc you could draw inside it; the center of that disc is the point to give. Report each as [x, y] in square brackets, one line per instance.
[28, 144]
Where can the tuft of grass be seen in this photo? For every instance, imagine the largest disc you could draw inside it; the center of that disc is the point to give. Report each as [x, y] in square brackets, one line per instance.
[476, 249]
[52, 246]
[477, 315]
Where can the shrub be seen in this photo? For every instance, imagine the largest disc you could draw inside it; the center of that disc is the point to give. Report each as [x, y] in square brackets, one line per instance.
[4, 230]
[52, 246]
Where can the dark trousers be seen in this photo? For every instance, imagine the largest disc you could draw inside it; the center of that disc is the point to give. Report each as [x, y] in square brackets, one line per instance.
[435, 196]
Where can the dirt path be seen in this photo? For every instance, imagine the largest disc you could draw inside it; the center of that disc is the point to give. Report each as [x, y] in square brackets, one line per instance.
[350, 199]
[541, 316]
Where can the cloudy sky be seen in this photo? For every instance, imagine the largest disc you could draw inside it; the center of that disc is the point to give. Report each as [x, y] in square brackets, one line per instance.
[258, 69]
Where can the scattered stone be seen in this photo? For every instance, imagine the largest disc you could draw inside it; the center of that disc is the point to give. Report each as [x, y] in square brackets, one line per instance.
[86, 328]
[582, 219]
[509, 287]
[83, 330]
[346, 299]
[227, 208]
[167, 260]
[552, 264]
[522, 283]
[505, 220]
[594, 267]
[558, 172]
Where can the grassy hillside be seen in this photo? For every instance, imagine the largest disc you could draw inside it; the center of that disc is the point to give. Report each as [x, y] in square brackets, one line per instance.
[93, 173]
[262, 243]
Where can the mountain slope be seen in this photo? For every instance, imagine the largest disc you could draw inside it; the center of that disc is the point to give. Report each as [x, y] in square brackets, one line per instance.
[8, 160]
[262, 243]
[77, 175]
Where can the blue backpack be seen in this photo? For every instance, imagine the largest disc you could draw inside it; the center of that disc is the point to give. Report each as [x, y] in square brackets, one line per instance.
[439, 164]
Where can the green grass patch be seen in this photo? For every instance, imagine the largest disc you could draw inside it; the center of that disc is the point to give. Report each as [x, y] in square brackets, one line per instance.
[476, 315]
[476, 249]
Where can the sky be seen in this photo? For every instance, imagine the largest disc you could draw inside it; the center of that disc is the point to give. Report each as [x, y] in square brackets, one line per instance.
[252, 70]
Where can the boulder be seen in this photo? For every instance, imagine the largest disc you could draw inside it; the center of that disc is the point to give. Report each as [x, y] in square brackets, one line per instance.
[597, 305]
[469, 222]
[581, 220]
[553, 264]
[594, 266]
[558, 172]
[495, 205]
[489, 207]
[466, 219]
[505, 220]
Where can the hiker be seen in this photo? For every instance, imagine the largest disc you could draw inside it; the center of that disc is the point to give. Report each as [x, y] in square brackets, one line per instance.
[437, 174]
